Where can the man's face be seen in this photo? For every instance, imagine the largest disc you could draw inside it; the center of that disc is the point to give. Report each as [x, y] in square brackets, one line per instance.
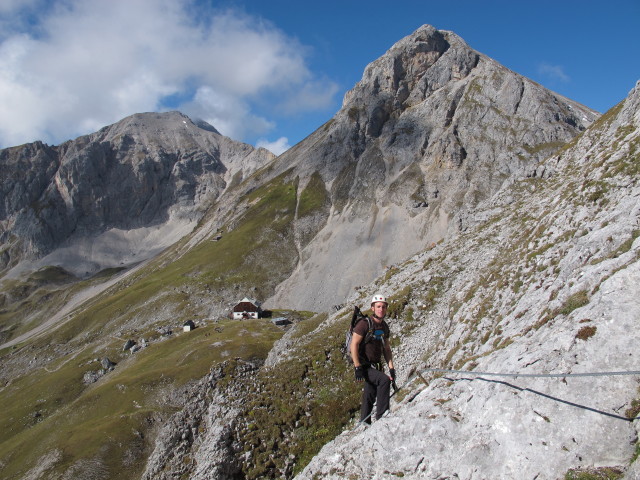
[379, 309]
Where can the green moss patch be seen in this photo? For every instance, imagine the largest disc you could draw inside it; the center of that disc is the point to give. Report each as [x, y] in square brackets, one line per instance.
[601, 473]
[573, 302]
[300, 405]
[314, 198]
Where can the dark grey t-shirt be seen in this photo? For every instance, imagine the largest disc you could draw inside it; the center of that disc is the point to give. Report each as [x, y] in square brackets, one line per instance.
[374, 348]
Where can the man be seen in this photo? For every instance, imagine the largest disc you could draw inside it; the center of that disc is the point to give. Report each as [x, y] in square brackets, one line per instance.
[368, 346]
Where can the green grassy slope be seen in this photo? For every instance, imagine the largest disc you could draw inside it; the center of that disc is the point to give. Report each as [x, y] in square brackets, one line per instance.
[47, 407]
[109, 420]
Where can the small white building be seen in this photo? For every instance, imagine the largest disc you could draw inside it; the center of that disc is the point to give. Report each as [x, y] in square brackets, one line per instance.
[188, 326]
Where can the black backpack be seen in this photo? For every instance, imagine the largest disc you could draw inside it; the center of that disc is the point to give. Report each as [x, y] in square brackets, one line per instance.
[357, 316]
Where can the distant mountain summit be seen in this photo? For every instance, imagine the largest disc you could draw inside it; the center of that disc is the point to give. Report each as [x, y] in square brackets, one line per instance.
[118, 195]
[433, 128]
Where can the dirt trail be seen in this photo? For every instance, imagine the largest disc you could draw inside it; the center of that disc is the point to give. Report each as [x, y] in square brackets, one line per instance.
[62, 316]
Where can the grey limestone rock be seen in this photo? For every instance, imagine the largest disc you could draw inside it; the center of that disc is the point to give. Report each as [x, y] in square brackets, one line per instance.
[432, 123]
[138, 175]
[107, 364]
[543, 282]
[203, 430]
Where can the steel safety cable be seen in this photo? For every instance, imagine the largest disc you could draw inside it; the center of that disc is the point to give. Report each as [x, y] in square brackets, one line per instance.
[535, 375]
[512, 375]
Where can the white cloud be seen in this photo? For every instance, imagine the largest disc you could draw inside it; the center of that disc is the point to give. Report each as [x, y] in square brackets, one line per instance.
[278, 147]
[88, 63]
[553, 72]
[229, 114]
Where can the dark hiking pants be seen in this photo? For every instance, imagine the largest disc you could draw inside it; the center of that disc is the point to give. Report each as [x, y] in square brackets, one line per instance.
[376, 389]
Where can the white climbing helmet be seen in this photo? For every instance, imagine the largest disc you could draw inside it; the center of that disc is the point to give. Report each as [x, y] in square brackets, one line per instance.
[379, 298]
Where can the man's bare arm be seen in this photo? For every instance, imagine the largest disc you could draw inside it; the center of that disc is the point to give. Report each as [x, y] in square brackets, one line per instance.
[356, 339]
[388, 356]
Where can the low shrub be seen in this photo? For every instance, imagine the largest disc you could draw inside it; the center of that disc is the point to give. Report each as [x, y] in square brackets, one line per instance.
[586, 332]
[573, 302]
[602, 473]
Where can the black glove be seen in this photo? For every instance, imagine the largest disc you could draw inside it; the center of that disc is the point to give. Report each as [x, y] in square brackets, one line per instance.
[392, 374]
[359, 374]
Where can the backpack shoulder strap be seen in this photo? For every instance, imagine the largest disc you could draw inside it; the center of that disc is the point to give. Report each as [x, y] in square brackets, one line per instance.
[360, 319]
[369, 335]
[355, 318]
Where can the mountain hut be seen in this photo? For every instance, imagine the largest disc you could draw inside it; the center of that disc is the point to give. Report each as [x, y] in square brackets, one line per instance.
[246, 308]
[188, 326]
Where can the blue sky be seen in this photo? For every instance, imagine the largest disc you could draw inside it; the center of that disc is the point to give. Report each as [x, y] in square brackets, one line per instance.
[269, 72]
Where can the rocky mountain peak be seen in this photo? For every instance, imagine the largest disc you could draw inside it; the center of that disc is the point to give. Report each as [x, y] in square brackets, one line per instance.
[405, 73]
[169, 129]
[432, 129]
[118, 195]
